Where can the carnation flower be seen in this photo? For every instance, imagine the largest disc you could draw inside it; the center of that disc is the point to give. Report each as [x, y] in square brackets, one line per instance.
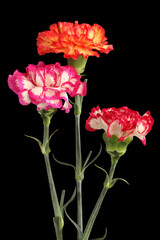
[121, 122]
[47, 85]
[73, 39]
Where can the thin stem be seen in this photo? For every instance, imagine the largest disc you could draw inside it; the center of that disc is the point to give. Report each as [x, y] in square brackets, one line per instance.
[58, 220]
[94, 214]
[78, 145]
[79, 175]
[54, 198]
[97, 207]
[79, 206]
[45, 134]
[114, 162]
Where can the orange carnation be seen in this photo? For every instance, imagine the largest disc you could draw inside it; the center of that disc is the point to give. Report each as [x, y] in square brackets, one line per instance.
[73, 39]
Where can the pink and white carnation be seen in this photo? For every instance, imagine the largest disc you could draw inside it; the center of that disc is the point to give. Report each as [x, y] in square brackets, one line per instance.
[47, 85]
[121, 122]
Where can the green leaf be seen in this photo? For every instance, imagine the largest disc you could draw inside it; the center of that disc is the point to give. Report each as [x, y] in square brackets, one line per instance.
[106, 182]
[47, 148]
[63, 163]
[87, 159]
[115, 180]
[102, 238]
[38, 141]
[71, 199]
[93, 160]
[101, 169]
[62, 202]
[74, 223]
[71, 220]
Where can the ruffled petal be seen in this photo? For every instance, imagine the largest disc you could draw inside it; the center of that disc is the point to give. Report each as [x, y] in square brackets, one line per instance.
[24, 98]
[46, 41]
[36, 95]
[95, 120]
[24, 82]
[121, 122]
[144, 126]
[51, 93]
[19, 82]
[73, 39]
[114, 129]
[55, 103]
[47, 85]
[13, 82]
[50, 78]
[67, 106]
[82, 89]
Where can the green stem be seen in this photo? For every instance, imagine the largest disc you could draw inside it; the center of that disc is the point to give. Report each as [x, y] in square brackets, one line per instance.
[55, 202]
[79, 206]
[79, 175]
[97, 207]
[78, 145]
[114, 161]
[94, 214]
[79, 65]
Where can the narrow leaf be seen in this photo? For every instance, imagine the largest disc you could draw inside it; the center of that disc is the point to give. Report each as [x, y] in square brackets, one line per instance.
[63, 163]
[47, 148]
[71, 220]
[101, 169]
[102, 238]
[87, 159]
[106, 182]
[38, 141]
[115, 180]
[94, 159]
[71, 102]
[71, 199]
[53, 134]
[74, 223]
[122, 179]
[62, 200]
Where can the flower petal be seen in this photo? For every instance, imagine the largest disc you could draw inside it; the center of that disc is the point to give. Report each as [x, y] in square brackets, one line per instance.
[24, 83]
[51, 93]
[50, 78]
[82, 89]
[46, 41]
[13, 82]
[73, 39]
[24, 98]
[56, 103]
[67, 106]
[36, 95]
[44, 106]
[121, 122]
[95, 121]
[19, 82]
[144, 126]
[114, 129]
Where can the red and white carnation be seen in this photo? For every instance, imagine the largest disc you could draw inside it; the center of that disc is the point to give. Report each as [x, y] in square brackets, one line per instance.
[121, 122]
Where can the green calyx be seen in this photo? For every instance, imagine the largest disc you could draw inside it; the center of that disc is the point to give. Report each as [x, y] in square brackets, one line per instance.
[115, 147]
[78, 64]
[47, 115]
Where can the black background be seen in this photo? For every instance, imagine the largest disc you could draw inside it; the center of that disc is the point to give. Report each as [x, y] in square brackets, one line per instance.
[127, 76]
